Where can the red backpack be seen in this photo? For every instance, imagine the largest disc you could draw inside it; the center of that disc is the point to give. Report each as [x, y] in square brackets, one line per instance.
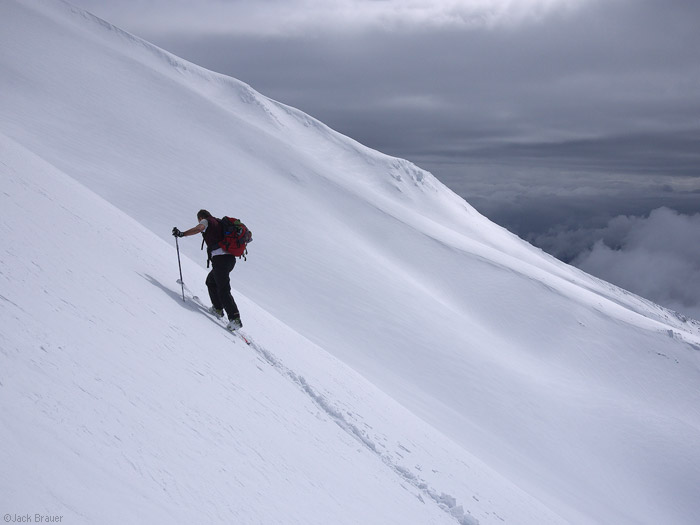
[236, 237]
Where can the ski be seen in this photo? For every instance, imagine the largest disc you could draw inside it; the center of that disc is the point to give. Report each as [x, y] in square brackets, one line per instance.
[201, 306]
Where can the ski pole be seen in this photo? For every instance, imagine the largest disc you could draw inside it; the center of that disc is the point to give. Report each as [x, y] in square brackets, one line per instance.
[177, 246]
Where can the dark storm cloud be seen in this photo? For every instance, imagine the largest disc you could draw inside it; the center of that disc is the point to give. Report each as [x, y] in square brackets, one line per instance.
[666, 154]
[561, 211]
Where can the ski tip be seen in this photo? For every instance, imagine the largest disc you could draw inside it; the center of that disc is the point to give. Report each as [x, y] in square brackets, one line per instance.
[241, 335]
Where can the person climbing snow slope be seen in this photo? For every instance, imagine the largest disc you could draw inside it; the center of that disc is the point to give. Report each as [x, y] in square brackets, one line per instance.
[222, 263]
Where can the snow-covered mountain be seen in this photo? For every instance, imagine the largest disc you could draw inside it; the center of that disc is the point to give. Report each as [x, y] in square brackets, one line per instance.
[412, 361]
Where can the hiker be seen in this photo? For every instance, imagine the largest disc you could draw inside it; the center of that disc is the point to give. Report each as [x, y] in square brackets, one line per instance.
[218, 281]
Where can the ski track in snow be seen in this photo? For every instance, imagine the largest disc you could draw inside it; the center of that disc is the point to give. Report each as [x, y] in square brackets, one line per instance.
[446, 502]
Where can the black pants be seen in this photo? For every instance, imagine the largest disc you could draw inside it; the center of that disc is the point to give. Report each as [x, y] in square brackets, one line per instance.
[219, 284]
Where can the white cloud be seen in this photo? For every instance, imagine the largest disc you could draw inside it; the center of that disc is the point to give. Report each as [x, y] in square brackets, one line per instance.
[657, 257]
[276, 17]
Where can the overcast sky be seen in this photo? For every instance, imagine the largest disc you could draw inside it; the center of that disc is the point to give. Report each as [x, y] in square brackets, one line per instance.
[552, 117]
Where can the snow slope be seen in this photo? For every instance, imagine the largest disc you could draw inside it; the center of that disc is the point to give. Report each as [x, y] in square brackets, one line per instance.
[412, 357]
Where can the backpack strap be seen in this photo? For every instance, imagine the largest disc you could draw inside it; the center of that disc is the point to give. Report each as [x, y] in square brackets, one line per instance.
[211, 235]
[208, 251]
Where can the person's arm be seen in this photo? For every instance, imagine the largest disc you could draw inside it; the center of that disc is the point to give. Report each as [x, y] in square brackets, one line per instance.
[192, 231]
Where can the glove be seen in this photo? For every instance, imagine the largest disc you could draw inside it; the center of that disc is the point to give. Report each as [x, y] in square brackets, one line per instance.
[177, 233]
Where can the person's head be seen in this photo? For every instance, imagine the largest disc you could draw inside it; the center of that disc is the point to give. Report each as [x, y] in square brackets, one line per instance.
[203, 214]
